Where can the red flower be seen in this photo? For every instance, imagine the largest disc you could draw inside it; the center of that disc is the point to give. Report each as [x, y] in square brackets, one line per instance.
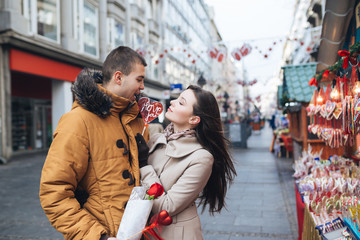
[156, 190]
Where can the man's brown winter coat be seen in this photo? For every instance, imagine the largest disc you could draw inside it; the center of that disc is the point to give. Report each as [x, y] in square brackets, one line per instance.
[93, 152]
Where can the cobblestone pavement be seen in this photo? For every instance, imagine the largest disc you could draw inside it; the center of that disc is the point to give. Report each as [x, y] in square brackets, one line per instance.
[260, 203]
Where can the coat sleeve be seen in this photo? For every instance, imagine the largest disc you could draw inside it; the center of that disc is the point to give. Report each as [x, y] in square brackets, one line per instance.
[187, 188]
[65, 165]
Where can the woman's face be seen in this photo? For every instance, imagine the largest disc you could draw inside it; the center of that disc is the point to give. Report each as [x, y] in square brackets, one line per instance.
[180, 112]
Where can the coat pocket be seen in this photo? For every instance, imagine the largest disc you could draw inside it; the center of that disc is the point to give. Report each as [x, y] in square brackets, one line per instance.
[109, 221]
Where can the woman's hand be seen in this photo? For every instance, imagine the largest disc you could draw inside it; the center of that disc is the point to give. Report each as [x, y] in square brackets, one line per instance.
[143, 150]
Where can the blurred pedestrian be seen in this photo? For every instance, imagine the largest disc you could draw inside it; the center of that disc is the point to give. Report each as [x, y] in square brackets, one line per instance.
[92, 164]
[191, 160]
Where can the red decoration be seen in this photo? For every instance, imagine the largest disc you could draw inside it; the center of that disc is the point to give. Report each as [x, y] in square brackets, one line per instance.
[270, 49]
[220, 55]
[159, 220]
[193, 61]
[265, 56]
[213, 52]
[236, 54]
[326, 73]
[301, 43]
[161, 55]
[313, 82]
[149, 109]
[165, 50]
[141, 51]
[157, 62]
[189, 55]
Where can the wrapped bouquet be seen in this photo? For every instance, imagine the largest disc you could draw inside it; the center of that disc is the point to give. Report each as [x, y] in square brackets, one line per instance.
[137, 212]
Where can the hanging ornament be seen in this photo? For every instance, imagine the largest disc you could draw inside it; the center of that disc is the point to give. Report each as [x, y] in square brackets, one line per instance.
[157, 62]
[301, 43]
[220, 55]
[141, 51]
[326, 73]
[313, 82]
[193, 61]
[189, 55]
[270, 49]
[236, 54]
[161, 55]
[213, 52]
[265, 56]
[165, 51]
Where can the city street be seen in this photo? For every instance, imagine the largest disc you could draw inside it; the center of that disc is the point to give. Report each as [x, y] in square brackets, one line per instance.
[260, 203]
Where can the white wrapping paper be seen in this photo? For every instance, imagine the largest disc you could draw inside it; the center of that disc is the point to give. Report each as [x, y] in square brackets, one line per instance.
[135, 216]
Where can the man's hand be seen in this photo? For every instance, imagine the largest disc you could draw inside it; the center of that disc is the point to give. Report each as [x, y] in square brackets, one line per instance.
[143, 150]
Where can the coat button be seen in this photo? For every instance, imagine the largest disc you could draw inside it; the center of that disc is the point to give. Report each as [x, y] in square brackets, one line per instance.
[120, 143]
[126, 174]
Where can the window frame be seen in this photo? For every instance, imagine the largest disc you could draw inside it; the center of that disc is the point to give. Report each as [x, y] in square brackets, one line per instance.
[31, 13]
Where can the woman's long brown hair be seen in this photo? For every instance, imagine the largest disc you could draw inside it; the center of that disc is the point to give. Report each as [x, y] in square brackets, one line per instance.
[210, 135]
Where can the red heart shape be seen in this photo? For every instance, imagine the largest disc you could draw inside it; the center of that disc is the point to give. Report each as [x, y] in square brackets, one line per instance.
[149, 109]
[164, 218]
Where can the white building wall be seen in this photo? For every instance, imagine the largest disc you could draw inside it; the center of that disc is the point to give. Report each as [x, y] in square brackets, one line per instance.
[61, 100]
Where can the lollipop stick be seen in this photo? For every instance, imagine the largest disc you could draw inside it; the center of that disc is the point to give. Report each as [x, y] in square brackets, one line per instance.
[144, 129]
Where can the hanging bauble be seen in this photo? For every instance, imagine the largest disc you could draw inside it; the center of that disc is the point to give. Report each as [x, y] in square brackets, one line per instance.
[157, 62]
[236, 54]
[161, 55]
[193, 61]
[265, 56]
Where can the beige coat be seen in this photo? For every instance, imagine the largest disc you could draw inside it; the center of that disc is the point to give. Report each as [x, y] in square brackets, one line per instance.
[183, 167]
[94, 149]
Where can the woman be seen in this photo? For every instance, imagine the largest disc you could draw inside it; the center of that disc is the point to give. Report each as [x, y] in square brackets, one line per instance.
[190, 160]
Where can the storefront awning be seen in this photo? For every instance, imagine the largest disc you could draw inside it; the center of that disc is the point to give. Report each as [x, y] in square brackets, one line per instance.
[296, 78]
[33, 64]
[334, 28]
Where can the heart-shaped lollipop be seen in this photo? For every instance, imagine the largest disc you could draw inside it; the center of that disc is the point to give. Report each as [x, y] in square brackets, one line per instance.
[329, 109]
[338, 110]
[357, 111]
[164, 218]
[149, 109]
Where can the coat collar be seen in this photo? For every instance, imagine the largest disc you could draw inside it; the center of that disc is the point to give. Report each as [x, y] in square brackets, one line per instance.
[90, 94]
[176, 148]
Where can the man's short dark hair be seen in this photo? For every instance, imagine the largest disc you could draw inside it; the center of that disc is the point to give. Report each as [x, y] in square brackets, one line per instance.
[121, 59]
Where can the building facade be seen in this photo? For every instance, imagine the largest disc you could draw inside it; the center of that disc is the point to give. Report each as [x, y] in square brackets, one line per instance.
[44, 44]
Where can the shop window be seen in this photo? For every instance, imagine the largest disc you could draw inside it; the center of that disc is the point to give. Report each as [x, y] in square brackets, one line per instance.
[44, 17]
[86, 28]
[31, 124]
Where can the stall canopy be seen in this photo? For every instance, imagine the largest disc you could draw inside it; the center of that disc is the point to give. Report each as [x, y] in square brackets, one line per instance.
[296, 78]
[334, 27]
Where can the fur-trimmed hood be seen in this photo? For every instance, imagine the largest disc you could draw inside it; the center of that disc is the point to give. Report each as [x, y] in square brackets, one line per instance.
[93, 97]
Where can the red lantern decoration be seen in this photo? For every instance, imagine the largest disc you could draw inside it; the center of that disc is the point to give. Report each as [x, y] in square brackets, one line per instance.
[236, 54]
[220, 56]
[213, 52]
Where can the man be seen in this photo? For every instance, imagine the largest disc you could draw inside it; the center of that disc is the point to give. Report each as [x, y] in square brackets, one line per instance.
[94, 150]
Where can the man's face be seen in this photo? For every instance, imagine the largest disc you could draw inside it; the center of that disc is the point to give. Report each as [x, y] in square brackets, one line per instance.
[133, 83]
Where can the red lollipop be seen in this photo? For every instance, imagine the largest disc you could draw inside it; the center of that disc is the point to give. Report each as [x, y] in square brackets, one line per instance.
[149, 109]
